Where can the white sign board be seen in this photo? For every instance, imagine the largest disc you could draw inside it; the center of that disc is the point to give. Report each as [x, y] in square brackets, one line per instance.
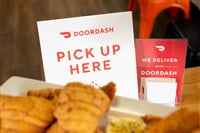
[98, 48]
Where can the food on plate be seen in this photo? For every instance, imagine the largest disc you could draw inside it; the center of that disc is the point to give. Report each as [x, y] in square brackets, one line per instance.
[83, 106]
[48, 93]
[55, 128]
[79, 108]
[149, 119]
[77, 104]
[25, 114]
[183, 120]
[109, 89]
[126, 125]
[196, 131]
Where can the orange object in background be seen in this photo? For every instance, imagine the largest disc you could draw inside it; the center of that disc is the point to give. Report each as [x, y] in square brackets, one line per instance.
[150, 9]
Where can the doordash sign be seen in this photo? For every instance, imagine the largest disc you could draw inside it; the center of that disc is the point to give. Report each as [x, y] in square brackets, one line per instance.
[161, 71]
[90, 49]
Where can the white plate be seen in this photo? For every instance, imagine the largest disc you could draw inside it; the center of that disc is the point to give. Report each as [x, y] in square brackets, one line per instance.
[18, 86]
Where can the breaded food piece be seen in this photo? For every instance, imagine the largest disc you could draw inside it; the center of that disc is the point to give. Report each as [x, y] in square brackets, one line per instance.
[20, 126]
[83, 106]
[25, 114]
[181, 121]
[48, 93]
[196, 131]
[3, 99]
[109, 89]
[149, 119]
[13, 131]
[55, 128]
[79, 109]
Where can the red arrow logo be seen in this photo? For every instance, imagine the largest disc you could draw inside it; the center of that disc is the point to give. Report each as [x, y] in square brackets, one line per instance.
[160, 48]
[66, 34]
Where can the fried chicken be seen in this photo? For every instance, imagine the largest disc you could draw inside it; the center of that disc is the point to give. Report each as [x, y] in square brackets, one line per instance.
[83, 106]
[25, 114]
[55, 128]
[78, 108]
[149, 119]
[74, 105]
[181, 121]
[48, 93]
[109, 89]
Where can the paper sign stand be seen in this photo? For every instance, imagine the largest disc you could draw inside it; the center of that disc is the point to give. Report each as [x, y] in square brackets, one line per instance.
[98, 48]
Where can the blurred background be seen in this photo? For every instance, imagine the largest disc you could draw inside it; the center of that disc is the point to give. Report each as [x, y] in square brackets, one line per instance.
[19, 44]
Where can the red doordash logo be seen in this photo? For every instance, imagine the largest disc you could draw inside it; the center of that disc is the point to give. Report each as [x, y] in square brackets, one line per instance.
[160, 48]
[66, 34]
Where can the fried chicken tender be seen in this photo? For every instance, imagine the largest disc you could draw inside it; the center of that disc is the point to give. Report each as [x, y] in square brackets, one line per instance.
[25, 114]
[55, 128]
[13, 131]
[48, 93]
[74, 105]
[80, 108]
[149, 119]
[181, 121]
[196, 131]
[109, 89]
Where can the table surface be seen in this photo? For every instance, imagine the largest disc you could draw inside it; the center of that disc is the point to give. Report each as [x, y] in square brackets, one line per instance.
[191, 88]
